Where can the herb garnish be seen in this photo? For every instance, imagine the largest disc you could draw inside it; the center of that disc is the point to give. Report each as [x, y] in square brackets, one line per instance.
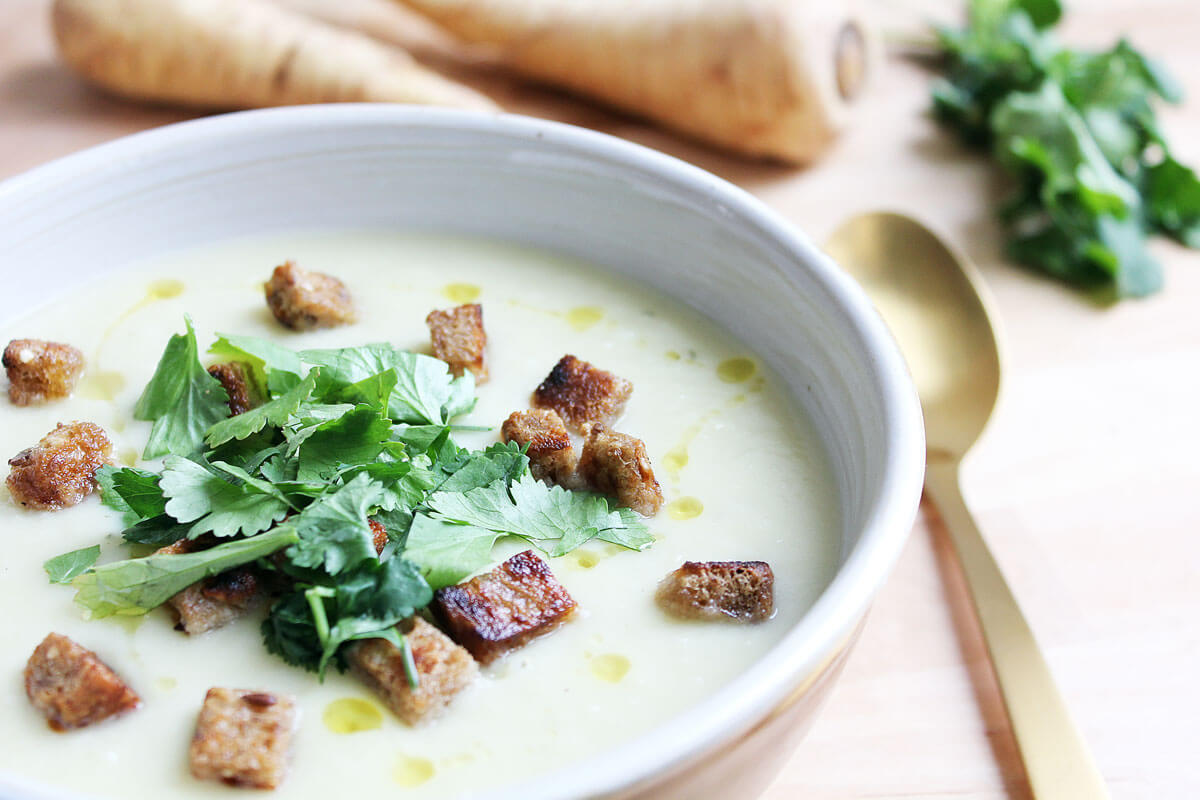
[343, 436]
[1078, 133]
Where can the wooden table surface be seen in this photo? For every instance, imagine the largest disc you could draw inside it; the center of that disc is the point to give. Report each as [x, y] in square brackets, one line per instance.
[1087, 485]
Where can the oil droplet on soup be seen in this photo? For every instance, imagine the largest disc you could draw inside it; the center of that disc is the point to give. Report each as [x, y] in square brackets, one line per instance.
[676, 459]
[674, 355]
[411, 771]
[461, 292]
[164, 290]
[583, 317]
[610, 667]
[685, 508]
[102, 386]
[736, 370]
[586, 560]
[351, 715]
[128, 457]
[166, 684]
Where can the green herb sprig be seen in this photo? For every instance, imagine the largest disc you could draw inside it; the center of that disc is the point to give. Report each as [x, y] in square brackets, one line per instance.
[1077, 132]
[344, 436]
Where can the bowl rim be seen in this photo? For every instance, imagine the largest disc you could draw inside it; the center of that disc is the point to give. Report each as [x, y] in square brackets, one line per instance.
[822, 631]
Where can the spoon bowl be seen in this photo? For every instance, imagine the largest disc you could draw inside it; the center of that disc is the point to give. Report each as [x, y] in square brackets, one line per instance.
[936, 305]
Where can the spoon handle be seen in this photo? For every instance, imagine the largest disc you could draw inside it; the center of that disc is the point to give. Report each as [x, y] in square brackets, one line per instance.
[1057, 761]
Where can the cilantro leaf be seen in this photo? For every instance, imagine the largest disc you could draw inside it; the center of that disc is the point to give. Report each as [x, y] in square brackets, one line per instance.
[308, 627]
[548, 517]
[334, 533]
[275, 412]
[182, 399]
[272, 365]
[198, 494]
[131, 490]
[1079, 134]
[158, 531]
[138, 585]
[61, 569]
[356, 437]
[448, 552]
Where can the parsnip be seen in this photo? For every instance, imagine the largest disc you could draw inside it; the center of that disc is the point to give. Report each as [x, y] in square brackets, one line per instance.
[765, 77]
[224, 54]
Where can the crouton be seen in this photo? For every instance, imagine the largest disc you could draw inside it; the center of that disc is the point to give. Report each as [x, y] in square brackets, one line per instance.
[303, 300]
[459, 339]
[502, 610]
[60, 470]
[741, 591]
[39, 371]
[616, 464]
[581, 394]
[551, 457]
[444, 670]
[232, 376]
[215, 601]
[379, 535]
[72, 687]
[243, 738]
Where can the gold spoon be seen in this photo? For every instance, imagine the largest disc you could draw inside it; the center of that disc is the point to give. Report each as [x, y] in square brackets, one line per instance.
[935, 303]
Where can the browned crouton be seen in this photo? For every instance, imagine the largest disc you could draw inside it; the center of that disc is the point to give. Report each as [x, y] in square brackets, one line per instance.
[215, 601]
[242, 738]
[444, 670]
[499, 611]
[742, 591]
[72, 687]
[582, 394]
[303, 300]
[459, 339]
[232, 376]
[379, 535]
[39, 371]
[551, 456]
[59, 471]
[617, 465]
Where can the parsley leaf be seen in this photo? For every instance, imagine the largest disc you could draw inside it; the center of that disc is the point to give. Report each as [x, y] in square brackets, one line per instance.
[198, 494]
[182, 399]
[275, 412]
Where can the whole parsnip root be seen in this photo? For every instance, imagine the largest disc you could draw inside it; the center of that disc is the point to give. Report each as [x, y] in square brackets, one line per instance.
[764, 77]
[223, 54]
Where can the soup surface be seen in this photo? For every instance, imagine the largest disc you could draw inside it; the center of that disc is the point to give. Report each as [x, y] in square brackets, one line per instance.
[742, 470]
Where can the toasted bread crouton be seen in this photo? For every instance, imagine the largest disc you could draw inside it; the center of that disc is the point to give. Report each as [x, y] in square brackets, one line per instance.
[215, 601]
[551, 456]
[499, 611]
[444, 670]
[232, 376]
[72, 687]
[379, 535]
[582, 394]
[243, 738]
[741, 591]
[616, 464]
[39, 371]
[303, 300]
[459, 339]
[60, 470]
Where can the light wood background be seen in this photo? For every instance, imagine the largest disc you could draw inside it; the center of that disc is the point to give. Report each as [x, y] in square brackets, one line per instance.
[1087, 484]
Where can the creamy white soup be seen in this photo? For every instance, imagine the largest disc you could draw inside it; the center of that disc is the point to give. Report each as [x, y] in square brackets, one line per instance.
[742, 471]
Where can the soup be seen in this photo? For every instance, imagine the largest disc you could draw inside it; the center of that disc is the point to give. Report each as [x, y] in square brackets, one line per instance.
[742, 471]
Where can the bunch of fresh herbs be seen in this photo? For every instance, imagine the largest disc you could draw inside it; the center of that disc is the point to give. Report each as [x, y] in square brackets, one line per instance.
[1077, 131]
[343, 436]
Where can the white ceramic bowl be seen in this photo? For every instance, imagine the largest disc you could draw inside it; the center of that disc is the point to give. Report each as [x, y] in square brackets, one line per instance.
[623, 207]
